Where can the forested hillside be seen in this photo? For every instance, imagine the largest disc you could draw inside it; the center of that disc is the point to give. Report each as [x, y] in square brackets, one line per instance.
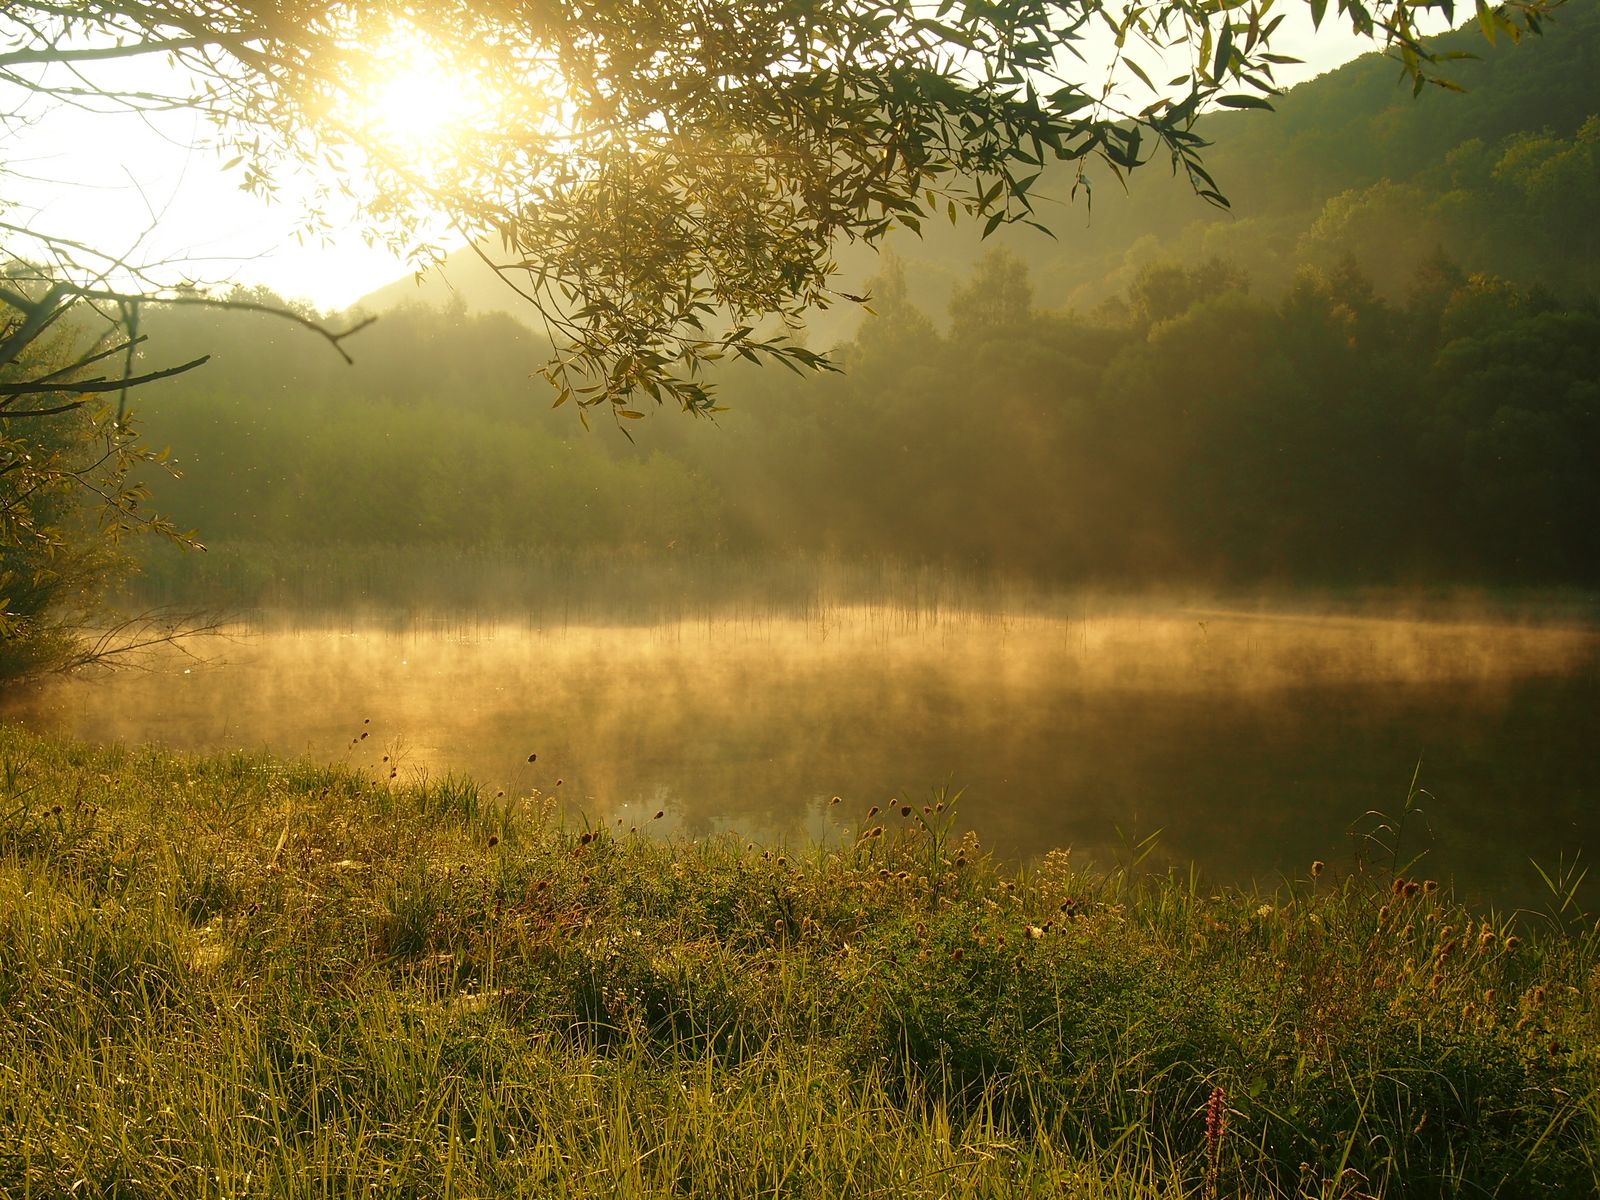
[1382, 367]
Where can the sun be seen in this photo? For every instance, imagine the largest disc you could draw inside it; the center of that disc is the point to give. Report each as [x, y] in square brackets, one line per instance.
[426, 98]
[417, 102]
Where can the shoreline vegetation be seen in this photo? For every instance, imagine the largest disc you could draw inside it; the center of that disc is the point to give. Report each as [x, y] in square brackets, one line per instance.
[237, 976]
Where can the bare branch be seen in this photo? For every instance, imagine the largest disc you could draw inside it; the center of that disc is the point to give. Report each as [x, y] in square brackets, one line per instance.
[85, 386]
[57, 54]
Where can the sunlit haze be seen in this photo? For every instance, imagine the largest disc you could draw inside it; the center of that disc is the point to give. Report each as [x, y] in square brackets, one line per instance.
[150, 188]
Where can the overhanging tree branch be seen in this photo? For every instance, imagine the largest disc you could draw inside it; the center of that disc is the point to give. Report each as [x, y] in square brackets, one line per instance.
[87, 387]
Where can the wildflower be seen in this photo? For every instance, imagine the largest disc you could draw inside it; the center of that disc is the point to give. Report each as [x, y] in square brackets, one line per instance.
[873, 811]
[1034, 932]
[1264, 911]
[836, 800]
[533, 758]
[1430, 886]
[1513, 942]
[957, 954]
[660, 812]
[1412, 888]
[1399, 885]
[1216, 1130]
[494, 840]
[1316, 868]
[905, 810]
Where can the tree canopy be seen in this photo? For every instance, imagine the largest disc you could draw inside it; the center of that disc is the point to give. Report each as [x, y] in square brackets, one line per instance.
[667, 179]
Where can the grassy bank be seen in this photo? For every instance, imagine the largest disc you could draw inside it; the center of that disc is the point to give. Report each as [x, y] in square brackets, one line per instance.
[233, 976]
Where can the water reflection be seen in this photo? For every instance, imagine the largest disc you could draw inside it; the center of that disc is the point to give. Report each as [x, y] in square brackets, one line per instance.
[1251, 740]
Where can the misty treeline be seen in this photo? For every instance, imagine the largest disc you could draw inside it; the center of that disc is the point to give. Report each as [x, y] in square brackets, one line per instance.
[1190, 430]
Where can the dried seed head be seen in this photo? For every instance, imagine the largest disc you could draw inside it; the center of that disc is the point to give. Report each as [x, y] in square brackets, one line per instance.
[1316, 868]
[533, 758]
[1430, 885]
[494, 840]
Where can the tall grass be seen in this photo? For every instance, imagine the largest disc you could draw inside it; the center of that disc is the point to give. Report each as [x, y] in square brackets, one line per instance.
[234, 976]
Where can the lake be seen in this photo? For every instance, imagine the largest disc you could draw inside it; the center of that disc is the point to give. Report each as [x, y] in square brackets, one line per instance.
[1252, 741]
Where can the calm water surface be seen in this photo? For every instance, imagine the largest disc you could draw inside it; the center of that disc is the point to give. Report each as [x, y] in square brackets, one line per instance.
[1250, 741]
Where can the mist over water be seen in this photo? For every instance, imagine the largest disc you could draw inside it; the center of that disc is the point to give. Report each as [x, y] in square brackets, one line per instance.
[1251, 740]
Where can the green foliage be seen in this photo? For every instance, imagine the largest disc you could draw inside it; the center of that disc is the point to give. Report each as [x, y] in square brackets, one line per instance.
[72, 489]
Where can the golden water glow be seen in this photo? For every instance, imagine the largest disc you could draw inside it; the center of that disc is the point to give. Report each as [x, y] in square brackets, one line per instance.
[1251, 738]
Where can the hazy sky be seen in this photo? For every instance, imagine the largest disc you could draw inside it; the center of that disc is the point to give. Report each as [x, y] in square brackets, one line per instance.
[151, 191]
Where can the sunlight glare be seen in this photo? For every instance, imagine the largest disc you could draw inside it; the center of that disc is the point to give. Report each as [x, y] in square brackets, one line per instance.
[420, 102]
